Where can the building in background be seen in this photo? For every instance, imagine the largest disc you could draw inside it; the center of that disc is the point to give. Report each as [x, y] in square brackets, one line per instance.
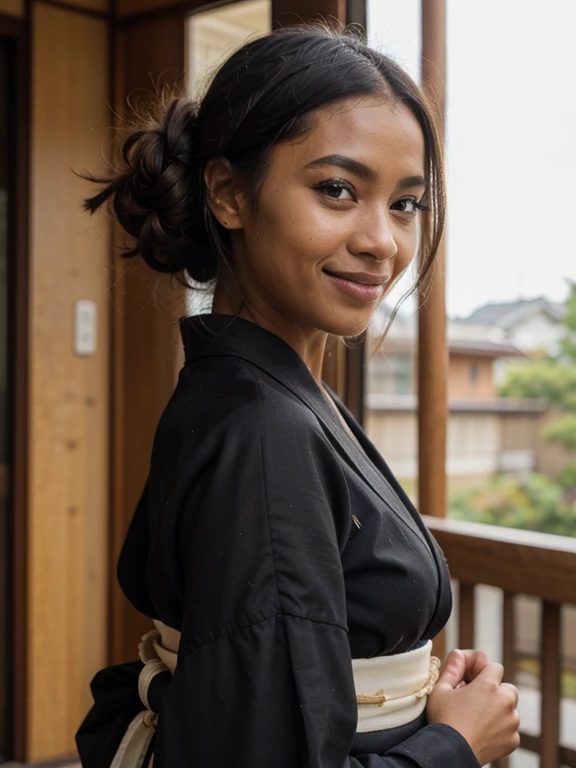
[532, 325]
[487, 434]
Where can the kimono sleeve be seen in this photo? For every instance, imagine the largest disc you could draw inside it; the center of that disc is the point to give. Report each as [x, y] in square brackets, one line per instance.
[264, 676]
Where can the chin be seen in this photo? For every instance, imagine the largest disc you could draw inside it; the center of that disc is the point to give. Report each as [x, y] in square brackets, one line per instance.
[348, 325]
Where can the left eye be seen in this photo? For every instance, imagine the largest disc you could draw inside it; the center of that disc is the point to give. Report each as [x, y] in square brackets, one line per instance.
[336, 190]
[409, 205]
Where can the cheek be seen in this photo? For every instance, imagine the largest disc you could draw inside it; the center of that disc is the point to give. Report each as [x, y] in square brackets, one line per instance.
[407, 241]
[296, 225]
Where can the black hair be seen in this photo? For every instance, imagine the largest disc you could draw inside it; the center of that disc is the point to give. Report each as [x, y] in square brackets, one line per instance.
[264, 93]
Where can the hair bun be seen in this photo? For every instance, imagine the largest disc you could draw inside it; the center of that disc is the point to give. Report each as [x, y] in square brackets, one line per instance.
[156, 204]
[158, 197]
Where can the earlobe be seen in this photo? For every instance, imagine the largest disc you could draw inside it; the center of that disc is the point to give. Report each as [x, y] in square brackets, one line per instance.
[222, 193]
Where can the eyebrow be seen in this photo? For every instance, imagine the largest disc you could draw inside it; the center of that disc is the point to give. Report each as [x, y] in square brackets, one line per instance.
[362, 171]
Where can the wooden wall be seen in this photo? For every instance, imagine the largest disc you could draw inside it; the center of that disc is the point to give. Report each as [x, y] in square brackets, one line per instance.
[13, 8]
[69, 399]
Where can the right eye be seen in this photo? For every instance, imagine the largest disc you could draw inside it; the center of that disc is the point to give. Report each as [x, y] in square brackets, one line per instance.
[336, 190]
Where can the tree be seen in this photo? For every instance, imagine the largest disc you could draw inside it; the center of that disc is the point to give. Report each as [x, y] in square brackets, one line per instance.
[569, 341]
[550, 379]
[554, 379]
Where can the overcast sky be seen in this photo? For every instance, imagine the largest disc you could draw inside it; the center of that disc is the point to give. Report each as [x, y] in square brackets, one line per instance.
[511, 141]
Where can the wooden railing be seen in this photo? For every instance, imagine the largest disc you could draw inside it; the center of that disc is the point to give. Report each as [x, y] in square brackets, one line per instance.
[526, 563]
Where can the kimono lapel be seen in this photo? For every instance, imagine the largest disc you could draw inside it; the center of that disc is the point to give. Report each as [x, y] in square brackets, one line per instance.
[444, 597]
[224, 335]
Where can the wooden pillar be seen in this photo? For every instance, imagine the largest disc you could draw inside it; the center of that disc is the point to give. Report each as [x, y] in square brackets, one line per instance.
[432, 350]
[149, 53]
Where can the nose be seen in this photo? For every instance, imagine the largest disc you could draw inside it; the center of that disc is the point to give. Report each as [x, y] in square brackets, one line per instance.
[374, 238]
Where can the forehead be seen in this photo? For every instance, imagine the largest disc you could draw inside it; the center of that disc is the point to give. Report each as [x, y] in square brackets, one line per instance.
[382, 134]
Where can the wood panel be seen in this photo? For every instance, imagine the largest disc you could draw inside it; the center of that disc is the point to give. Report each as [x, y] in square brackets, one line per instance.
[100, 6]
[288, 12]
[146, 336]
[133, 9]
[13, 7]
[69, 395]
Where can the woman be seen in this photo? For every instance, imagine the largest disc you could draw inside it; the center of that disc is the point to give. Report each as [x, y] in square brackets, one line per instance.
[273, 548]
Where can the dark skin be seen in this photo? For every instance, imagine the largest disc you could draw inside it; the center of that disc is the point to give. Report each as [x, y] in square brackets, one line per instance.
[344, 200]
[301, 227]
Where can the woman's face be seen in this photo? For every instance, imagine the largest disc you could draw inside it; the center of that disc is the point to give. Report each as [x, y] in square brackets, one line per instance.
[336, 220]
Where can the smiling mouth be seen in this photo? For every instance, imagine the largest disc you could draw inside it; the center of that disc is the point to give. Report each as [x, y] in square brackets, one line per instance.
[360, 278]
[362, 286]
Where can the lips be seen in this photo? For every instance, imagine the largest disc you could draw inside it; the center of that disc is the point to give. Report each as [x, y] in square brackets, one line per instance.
[364, 286]
[361, 278]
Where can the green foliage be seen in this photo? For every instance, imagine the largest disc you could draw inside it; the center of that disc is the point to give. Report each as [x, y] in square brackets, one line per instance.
[563, 431]
[569, 342]
[548, 379]
[552, 379]
[534, 503]
[567, 478]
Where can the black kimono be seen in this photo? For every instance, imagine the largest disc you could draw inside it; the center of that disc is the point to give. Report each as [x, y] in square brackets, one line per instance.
[281, 548]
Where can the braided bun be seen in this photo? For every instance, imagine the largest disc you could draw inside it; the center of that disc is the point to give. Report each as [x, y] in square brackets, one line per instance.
[159, 194]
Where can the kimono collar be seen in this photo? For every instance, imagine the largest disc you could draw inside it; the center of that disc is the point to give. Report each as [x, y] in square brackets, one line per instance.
[218, 335]
[228, 336]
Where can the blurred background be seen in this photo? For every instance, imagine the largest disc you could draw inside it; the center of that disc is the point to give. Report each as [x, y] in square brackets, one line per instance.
[471, 398]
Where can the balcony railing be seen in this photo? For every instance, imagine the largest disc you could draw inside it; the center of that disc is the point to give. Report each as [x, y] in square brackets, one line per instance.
[519, 563]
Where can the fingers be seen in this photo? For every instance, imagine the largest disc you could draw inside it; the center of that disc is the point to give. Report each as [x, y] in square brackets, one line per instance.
[512, 691]
[492, 673]
[480, 661]
[475, 663]
[454, 669]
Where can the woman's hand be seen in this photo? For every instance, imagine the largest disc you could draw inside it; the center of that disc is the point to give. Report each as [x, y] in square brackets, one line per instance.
[466, 665]
[483, 710]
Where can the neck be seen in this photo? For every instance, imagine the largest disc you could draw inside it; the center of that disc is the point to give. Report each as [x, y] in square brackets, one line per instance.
[308, 343]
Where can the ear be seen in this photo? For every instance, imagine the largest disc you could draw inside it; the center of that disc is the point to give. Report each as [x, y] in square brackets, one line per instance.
[223, 196]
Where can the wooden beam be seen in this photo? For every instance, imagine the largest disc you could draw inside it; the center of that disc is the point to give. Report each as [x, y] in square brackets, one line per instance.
[550, 682]
[145, 311]
[286, 13]
[466, 617]
[432, 350]
[519, 562]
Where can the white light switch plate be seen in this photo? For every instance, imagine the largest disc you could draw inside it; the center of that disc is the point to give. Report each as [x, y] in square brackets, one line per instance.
[85, 327]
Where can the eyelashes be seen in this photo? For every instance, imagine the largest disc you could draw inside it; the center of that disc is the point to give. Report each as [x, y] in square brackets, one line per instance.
[335, 189]
[336, 186]
[417, 207]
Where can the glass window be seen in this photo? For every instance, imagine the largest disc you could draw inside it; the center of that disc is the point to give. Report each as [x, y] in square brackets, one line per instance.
[473, 373]
[509, 144]
[215, 34]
